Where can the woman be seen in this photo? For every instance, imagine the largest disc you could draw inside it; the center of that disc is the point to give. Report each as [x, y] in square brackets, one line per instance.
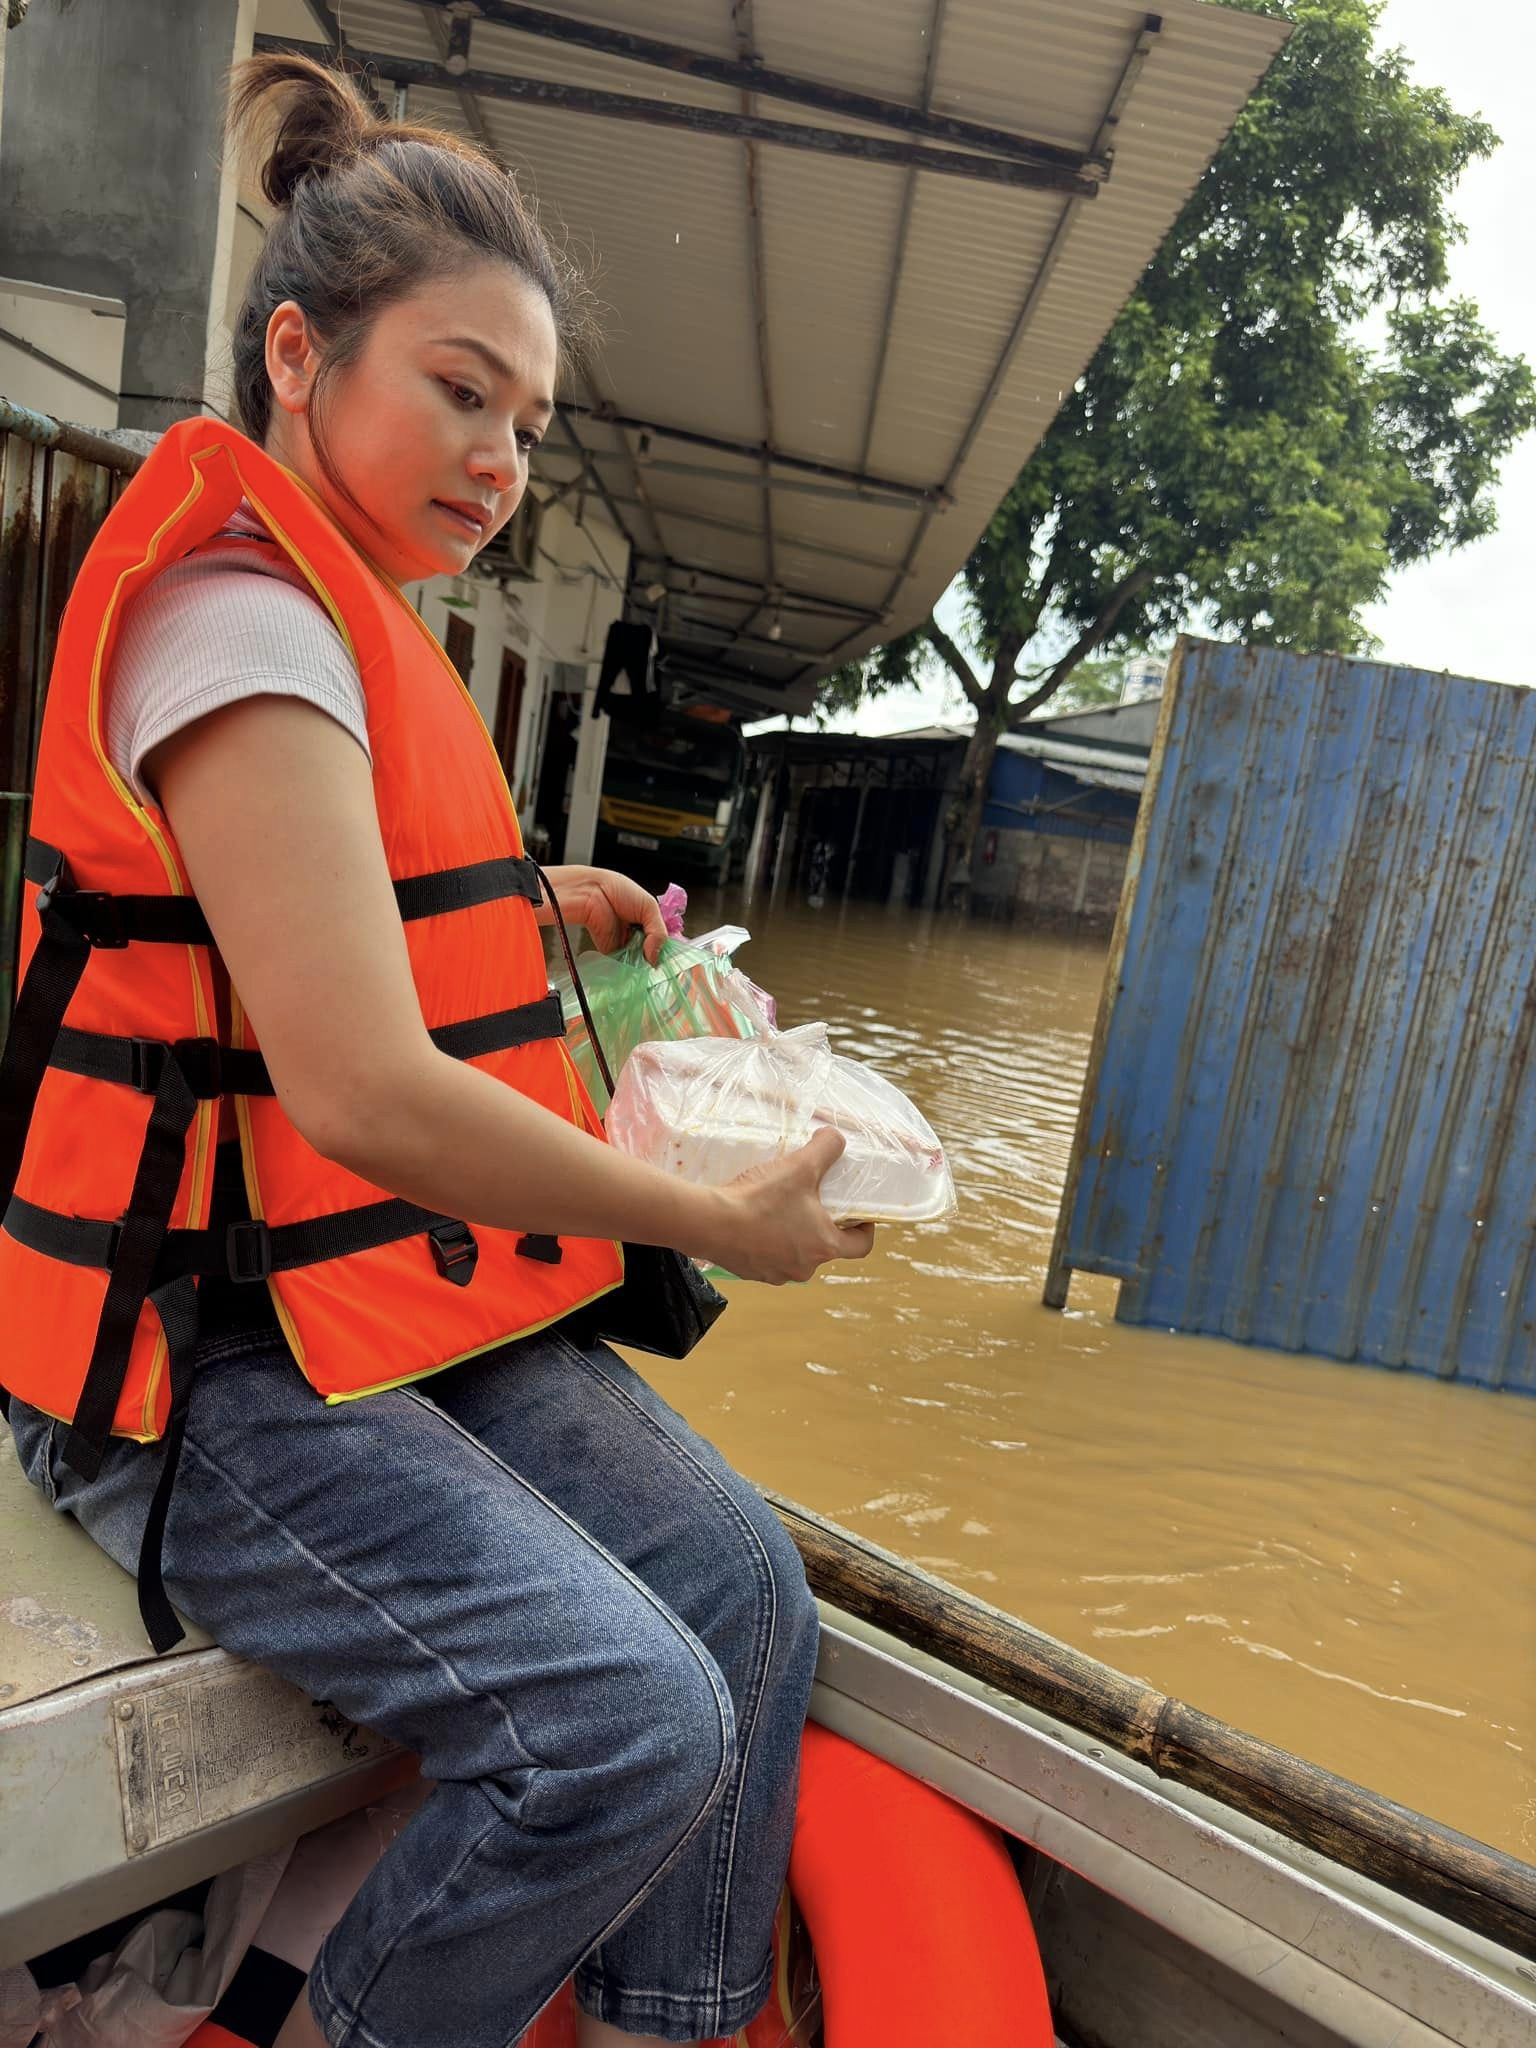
[264, 805]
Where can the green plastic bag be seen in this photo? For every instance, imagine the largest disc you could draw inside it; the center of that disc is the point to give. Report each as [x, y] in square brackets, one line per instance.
[693, 991]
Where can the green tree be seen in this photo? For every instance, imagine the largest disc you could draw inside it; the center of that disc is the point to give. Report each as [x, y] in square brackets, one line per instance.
[1288, 408]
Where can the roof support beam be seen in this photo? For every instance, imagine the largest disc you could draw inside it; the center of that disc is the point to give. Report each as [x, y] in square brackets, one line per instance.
[738, 530]
[589, 468]
[742, 15]
[721, 639]
[599, 408]
[790, 598]
[749, 76]
[325, 20]
[899, 247]
[724, 686]
[451, 40]
[800, 465]
[619, 106]
[863, 494]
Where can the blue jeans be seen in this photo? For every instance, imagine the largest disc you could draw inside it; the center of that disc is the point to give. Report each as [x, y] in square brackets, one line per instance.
[596, 1636]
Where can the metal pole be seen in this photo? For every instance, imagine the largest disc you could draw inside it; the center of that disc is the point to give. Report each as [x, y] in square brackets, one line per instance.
[44, 432]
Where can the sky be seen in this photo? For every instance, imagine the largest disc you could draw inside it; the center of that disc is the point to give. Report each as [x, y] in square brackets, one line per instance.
[1469, 612]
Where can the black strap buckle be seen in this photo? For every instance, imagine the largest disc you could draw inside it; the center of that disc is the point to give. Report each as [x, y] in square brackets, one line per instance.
[534, 1244]
[147, 1063]
[200, 1060]
[248, 1251]
[94, 913]
[454, 1251]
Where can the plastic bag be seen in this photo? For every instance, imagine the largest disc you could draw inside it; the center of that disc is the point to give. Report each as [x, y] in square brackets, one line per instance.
[161, 1981]
[693, 991]
[708, 1108]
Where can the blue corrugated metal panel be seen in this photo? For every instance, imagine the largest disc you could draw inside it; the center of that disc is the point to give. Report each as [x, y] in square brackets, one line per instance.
[1310, 1121]
[1024, 794]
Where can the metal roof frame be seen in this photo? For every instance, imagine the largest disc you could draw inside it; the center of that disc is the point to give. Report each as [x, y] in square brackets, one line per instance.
[772, 488]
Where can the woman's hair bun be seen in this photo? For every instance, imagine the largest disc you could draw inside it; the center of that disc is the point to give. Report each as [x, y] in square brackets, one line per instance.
[310, 119]
[369, 211]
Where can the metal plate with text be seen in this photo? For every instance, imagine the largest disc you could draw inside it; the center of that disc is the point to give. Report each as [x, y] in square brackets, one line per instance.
[197, 1751]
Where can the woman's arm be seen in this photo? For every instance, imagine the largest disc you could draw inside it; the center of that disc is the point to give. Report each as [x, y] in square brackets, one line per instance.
[272, 805]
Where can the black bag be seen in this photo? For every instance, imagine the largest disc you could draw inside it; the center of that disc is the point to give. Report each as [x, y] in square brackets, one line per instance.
[664, 1304]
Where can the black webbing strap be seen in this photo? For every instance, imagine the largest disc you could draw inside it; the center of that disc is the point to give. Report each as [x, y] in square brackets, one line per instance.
[112, 921]
[242, 1251]
[209, 1069]
[53, 974]
[178, 920]
[141, 1236]
[176, 1305]
[528, 1024]
[250, 1251]
[212, 1070]
[486, 881]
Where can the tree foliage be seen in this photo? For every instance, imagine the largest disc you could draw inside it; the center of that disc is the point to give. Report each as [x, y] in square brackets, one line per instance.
[1288, 407]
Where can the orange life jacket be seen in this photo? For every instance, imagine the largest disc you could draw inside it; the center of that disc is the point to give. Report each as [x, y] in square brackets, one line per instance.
[108, 1121]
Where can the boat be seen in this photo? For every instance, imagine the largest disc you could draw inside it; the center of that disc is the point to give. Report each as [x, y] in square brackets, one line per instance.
[1189, 1885]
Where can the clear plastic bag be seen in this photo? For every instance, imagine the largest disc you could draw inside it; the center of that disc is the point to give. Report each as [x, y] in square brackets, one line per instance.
[708, 1108]
[693, 991]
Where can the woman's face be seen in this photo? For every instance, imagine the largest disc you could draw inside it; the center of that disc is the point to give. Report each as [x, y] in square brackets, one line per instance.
[431, 426]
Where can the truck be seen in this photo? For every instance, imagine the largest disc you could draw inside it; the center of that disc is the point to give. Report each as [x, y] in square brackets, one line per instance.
[673, 786]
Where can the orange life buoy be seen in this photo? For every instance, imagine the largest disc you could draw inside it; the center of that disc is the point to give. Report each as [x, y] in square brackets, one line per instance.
[915, 1911]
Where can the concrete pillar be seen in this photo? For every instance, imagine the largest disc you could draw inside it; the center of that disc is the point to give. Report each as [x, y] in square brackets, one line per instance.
[113, 178]
[587, 782]
[858, 832]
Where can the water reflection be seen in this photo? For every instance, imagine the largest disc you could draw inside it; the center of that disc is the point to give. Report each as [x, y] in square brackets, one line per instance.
[1337, 1558]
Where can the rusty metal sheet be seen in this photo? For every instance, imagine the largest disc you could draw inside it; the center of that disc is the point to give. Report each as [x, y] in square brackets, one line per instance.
[1308, 1121]
[22, 470]
[52, 505]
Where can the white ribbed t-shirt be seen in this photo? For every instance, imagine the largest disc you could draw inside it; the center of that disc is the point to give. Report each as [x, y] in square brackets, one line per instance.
[228, 622]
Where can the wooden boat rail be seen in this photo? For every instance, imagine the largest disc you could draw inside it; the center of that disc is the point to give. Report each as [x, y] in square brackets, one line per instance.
[1476, 1886]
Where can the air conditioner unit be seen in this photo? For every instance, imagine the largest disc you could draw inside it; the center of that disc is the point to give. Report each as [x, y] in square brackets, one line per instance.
[514, 553]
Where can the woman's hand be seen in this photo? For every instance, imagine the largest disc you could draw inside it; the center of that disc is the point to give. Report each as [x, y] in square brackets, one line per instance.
[770, 1223]
[608, 906]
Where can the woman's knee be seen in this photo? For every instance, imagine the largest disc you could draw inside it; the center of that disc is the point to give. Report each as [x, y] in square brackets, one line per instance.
[650, 1741]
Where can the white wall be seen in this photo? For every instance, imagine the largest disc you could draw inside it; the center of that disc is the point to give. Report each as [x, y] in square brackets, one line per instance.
[586, 596]
[562, 616]
[79, 331]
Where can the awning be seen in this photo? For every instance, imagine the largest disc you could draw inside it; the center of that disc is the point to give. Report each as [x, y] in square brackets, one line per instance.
[853, 253]
[1098, 767]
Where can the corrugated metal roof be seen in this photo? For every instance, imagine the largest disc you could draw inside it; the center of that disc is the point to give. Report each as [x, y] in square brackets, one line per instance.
[893, 343]
[1308, 1120]
[1100, 765]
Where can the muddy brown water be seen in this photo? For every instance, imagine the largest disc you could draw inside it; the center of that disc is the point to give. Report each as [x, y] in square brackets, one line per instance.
[1337, 1558]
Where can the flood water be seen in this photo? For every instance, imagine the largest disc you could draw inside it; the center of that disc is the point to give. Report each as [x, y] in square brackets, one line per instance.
[1337, 1558]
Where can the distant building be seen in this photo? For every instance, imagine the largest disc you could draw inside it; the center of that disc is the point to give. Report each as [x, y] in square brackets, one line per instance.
[843, 815]
[1145, 675]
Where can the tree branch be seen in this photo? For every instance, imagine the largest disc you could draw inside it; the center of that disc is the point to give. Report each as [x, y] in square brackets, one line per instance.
[1055, 562]
[954, 660]
[1092, 636]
